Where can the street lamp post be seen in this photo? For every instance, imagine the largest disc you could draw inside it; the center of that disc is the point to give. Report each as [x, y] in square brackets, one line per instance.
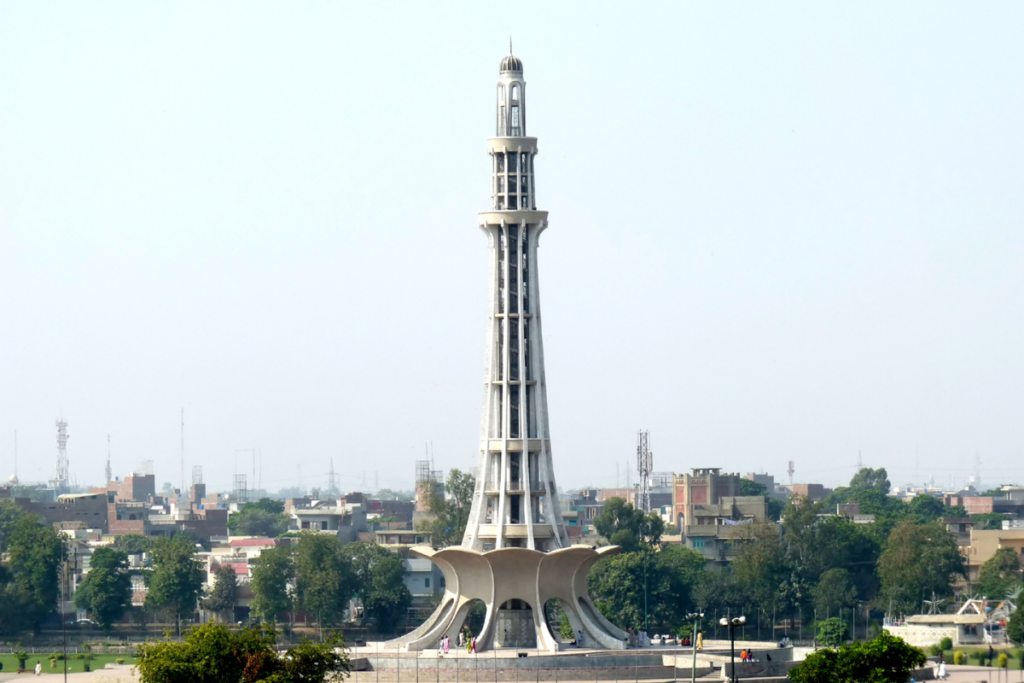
[732, 624]
[696, 616]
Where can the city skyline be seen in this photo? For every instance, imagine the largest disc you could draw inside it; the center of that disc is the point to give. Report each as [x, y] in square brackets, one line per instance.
[778, 243]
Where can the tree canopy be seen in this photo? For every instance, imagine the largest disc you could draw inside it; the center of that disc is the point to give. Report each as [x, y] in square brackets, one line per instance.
[671, 572]
[324, 580]
[176, 581]
[886, 659]
[106, 591]
[270, 573]
[919, 559]
[1000, 574]
[381, 588]
[625, 526]
[225, 590]
[264, 517]
[449, 512]
[35, 553]
[213, 654]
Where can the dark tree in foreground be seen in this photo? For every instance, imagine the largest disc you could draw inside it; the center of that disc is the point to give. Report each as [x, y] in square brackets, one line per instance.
[625, 526]
[213, 654]
[886, 659]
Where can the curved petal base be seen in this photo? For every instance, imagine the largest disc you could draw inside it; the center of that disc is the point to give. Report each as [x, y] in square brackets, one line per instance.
[497, 576]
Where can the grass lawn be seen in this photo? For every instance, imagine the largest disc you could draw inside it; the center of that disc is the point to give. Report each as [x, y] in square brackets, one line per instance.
[74, 665]
[1014, 656]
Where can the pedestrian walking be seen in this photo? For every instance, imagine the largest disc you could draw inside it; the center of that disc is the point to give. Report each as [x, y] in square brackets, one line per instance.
[579, 638]
[472, 645]
[942, 671]
[39, 668]
[700, 640]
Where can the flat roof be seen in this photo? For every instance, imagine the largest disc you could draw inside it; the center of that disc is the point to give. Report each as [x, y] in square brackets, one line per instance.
[946, 619]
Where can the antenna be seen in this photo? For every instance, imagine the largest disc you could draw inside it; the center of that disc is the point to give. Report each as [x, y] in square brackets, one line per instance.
[15, 455]
[860, 463]
[790, 470]
[108, 472]
[331, 484]
[644, 463]
[183, 448]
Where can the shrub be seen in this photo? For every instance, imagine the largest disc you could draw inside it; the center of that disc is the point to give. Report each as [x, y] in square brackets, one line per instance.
[1004, 661]
[21, 656]
[959, 657]
[946, 643]
[978, 655]
[87, 667]
[79, 656]
[831, 632]
[118, 661]
[935, 650]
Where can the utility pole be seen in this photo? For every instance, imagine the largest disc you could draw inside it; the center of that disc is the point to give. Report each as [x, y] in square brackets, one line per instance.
[182, 449]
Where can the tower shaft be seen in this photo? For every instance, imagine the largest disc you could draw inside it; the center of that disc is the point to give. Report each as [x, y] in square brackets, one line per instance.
[515, 503]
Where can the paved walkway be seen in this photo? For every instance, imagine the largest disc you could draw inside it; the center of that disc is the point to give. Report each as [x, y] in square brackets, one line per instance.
[982, 674]
[115, 674]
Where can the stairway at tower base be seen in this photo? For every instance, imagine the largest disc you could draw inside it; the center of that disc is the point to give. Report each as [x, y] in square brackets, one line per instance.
[514, 584]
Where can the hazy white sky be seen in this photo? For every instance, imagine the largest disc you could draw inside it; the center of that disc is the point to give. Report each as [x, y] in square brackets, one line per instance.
[779, 231]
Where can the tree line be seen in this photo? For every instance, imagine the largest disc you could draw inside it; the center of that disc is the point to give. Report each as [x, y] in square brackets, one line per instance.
[811, 565]
[313, 572]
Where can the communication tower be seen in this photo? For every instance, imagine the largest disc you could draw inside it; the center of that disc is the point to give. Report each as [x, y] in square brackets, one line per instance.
[790, 470]
[197, 475]
[644, 464]
[61, 481]
[108, 471]
[241, 489]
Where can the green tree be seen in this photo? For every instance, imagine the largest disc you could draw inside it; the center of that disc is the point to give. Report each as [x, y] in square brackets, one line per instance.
[834, 592]
[264, 517]
[831, 632]
[927, 508]
[213, 654]
[1000, 574]
[270, 574]
[1015, 628]
[918, 559]
[10, 514]
[886, 659]
[324, 581]
[672, 572]
[176, 581]
[225, 590]
[133, 544]
[565, 632]
[34, 554]
[449, 512]
[762, 564]
[625, 526]
[106, 591]
[753, 488]
[380, 587]
[867, 478]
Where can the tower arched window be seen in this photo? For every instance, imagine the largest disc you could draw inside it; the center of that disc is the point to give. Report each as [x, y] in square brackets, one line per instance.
[502, 130]
[515, 126]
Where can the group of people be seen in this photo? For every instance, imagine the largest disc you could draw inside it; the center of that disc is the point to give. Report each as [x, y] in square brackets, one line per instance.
[686, 641]
[637, 638]
[466, 640]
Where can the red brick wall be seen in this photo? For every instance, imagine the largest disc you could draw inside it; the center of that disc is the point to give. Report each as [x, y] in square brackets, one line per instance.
[978, 506]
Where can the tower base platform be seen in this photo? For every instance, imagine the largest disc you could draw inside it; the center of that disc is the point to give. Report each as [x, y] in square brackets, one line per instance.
[514, 585]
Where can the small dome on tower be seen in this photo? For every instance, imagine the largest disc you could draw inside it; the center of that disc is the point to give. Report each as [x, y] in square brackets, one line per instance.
[511, 63]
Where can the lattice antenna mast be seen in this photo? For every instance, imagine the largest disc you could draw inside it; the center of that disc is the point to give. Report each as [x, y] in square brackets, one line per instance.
[108, 471]
[61, 481]
[332, 485]
[644, 465]
[790, 470]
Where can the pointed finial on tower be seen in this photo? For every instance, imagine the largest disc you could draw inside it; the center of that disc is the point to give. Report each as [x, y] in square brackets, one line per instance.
[510, 44]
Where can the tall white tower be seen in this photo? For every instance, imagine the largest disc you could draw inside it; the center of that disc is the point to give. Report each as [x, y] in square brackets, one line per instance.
[516, 501]
[515, 555]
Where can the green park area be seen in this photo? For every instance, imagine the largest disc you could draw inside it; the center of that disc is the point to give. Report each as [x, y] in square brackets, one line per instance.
[10, 663]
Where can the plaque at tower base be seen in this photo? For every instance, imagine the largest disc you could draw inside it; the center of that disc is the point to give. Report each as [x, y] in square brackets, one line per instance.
[515, 556]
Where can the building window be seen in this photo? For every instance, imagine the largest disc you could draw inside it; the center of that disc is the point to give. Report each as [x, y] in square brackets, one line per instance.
[698, 544]
[426, 583]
